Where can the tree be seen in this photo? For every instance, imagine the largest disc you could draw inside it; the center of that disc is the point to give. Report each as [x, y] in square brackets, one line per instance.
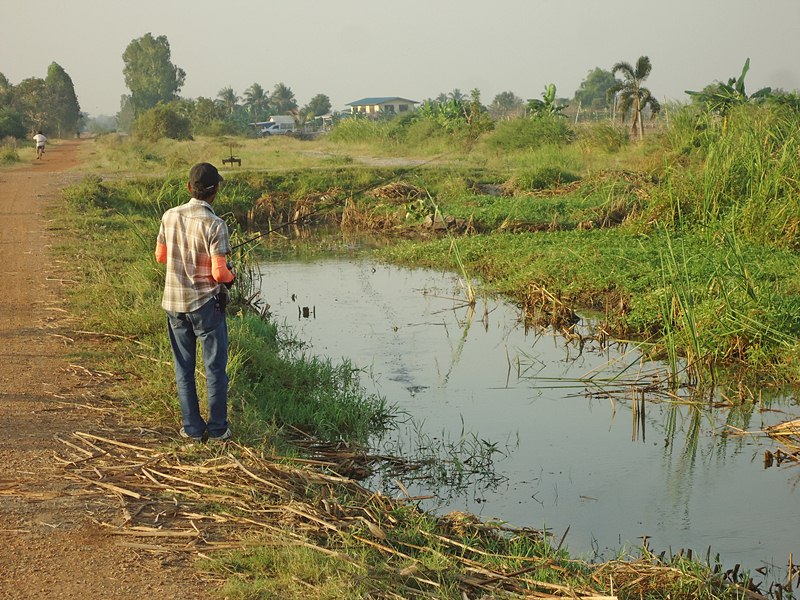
[257, 102]
[205, 110]
[227, 101]
[506, 105]
[125, 116]
[282, 99]
[632, 95]
[30, 99]
[457, 95]
[6, 92]
[477, 116]
[593, 91]
[149, 73]
[319, 105]
[12, 122]
[64, 110]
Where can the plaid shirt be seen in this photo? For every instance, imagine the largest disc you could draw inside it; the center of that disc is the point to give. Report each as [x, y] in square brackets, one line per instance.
[192, 234]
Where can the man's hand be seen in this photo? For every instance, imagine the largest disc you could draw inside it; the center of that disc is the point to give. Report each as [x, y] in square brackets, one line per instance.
[232, 269]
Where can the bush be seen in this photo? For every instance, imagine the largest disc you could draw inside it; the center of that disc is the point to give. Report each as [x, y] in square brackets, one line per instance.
[8, 151]
[359, 129]
[541, 179]
[518, 134]
[604, 136]
[162, 121]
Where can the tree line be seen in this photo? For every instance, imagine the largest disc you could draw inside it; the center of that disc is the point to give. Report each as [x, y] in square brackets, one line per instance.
[49, 105]
[154, 108]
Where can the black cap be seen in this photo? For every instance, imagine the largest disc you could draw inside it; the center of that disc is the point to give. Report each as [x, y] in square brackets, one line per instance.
[204, 176]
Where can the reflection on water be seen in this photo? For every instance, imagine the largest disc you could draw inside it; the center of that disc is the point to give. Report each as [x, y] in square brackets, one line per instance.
[550, 447]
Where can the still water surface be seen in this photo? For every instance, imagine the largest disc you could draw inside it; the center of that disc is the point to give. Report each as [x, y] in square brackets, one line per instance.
[567, 459]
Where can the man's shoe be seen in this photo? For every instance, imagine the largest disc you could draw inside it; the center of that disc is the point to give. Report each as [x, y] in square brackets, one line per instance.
[221, 437]
[183, 434]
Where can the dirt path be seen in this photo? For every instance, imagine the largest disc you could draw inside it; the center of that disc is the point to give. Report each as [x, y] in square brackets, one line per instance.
[51, 542]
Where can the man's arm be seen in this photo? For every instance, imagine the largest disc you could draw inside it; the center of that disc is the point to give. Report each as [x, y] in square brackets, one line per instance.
[220, 271]
[161, 253]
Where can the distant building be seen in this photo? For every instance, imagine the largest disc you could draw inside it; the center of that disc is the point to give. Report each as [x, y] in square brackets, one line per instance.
[374, 106]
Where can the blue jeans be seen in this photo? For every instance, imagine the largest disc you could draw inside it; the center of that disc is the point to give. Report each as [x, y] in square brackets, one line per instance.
[207, 324]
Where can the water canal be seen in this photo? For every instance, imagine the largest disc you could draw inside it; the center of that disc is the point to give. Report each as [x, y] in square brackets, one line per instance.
[532, 432]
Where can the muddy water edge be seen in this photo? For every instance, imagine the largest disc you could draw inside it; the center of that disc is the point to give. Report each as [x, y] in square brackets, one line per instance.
[531, 428]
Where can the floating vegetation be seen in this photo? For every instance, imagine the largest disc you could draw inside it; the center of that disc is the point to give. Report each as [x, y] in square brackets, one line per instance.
[788, 434]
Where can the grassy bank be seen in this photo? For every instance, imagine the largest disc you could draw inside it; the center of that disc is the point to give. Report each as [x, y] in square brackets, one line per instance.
[273, 384]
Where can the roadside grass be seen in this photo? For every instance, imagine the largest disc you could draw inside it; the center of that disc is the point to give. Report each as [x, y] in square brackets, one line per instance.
[9, 153]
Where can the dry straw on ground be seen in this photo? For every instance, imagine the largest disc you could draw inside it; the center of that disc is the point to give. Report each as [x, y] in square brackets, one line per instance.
[196, 500]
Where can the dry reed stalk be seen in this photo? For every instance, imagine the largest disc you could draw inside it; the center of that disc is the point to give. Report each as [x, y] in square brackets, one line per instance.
[787, 433]
[399, 191]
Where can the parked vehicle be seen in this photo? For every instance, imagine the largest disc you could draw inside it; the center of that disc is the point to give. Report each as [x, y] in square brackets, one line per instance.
[276, 125]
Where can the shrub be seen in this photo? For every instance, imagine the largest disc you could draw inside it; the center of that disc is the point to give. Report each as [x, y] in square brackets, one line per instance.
[518, 134]
[604, 136]
[359, 130]
[540, 179]
[8, 151]
[162, 121]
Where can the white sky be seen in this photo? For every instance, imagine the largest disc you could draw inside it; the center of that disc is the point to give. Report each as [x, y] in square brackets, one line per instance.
[413, 48]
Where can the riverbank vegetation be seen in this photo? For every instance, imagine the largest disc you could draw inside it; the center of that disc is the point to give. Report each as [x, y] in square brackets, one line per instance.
[270, 516]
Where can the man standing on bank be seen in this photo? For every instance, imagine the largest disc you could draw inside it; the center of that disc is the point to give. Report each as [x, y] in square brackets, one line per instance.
[193, 242]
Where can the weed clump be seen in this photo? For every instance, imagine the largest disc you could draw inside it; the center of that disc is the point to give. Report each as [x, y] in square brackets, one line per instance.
[519, 134]
[8, 151]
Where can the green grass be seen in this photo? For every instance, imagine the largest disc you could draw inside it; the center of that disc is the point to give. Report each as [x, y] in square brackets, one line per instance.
[631, 277]
[8, 154]
[272, 385]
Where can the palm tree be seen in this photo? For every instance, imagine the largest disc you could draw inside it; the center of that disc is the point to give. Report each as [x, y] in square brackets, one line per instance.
[228, 100]
[632, 95]
[282, 99]
[257, 101]
[457, 95]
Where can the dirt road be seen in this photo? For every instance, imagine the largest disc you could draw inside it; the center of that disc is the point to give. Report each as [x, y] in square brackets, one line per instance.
[52, 543]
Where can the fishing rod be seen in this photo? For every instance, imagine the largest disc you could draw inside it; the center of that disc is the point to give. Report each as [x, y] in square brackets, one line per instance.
[333, 203]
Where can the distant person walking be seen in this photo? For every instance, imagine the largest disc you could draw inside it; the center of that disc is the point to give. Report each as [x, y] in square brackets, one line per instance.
[194, 244]
[40, 142]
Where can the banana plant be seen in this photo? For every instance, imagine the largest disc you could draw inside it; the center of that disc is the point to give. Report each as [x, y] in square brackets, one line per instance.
[719, 98]
[548, 105]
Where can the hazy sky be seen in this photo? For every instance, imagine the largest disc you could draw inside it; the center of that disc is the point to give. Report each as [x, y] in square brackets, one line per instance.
[414, 48]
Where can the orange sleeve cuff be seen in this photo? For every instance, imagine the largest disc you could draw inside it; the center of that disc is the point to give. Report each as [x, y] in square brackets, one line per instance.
[220, 271]
[161, 253]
